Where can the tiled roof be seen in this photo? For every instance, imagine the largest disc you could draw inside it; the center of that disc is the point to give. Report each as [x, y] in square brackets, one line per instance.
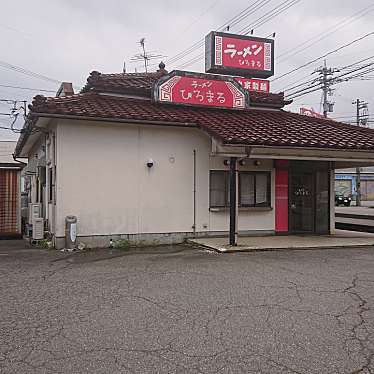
[247, 127]
[141, 84]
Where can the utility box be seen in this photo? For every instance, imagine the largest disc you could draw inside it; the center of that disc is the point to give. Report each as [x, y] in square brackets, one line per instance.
[34, 212]
[70, 232]
[38, 229]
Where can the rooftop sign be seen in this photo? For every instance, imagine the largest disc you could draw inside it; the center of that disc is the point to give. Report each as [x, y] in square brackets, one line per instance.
[243, 55]
[197, 89]
[310, 113]
[254, 85]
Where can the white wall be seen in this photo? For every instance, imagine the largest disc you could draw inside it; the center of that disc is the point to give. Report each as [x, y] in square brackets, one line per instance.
[102, 178]
[6, 150]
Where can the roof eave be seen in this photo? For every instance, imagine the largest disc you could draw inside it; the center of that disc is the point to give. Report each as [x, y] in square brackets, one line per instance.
[295, 147]
[27, 135]
[363, 156]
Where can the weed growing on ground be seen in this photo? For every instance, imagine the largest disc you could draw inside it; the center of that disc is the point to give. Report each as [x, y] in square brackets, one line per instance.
[44, 243]
[122, 244]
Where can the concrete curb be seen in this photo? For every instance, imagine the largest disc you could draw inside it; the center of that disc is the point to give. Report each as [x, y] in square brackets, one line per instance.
[272, 249]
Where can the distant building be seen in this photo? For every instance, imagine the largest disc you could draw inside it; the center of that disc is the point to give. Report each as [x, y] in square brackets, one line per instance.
[345, 182]
[10, 191]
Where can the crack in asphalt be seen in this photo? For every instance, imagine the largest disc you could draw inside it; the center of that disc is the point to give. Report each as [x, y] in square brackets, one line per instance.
[182, 328]
[362, 308]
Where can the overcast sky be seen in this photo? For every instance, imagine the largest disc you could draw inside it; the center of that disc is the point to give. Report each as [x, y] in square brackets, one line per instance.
[66, 39]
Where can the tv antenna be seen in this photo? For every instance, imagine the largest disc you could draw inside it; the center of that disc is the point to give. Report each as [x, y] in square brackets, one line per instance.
[145, 56]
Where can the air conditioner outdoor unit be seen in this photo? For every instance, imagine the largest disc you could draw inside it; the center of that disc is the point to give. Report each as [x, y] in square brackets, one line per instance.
[34, 212]
[38, 229]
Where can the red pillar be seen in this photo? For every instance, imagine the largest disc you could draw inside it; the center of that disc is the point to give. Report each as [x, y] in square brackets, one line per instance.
[281, 196]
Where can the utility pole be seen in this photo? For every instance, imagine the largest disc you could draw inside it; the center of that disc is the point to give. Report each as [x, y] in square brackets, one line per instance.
[325, 88]
[358, 170]
[325, 80]
[359, 105]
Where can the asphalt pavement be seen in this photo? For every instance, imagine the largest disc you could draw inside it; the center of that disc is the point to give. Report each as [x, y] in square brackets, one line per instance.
[180, 309]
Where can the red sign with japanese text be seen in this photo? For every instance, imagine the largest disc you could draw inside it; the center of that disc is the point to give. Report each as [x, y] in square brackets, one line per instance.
[256, 85]
[310, 113]
[239, 55]
[200, 89]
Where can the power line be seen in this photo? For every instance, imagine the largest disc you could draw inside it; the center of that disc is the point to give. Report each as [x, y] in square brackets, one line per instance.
[30, 73]
[355, 63]
[247, 12]
[292, 85]
[259, 22]
[305, 93]
[323, 56]
[9, 100]
[5, 128]
[331, 81]
[256, 5]
[200, 43]
[270, 15]
[198, 18]
[26, 88]
[299, 85]
[311, 81]
[323, 35]
[285, 88]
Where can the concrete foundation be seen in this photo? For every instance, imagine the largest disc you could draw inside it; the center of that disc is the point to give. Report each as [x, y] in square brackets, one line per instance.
[152, 239]
[340, 239]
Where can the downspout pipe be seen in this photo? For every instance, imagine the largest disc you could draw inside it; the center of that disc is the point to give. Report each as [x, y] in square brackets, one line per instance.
[22, 164]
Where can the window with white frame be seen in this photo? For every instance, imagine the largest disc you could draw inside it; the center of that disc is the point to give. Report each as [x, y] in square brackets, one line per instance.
[254, 189]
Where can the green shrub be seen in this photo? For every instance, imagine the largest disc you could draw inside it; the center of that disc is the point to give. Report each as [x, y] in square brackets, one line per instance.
[121, 244]
[44, 243]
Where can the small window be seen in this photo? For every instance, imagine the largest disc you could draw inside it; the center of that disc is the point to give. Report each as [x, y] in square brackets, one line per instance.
[219, 188]
[254, 189]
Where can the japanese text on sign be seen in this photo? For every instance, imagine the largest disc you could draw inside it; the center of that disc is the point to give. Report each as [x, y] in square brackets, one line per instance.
[231, 54]
[200, 91]
[243, 53]
[251, 50]
[256, 85]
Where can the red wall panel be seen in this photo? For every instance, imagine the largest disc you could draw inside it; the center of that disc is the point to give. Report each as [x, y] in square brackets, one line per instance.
[281, 198]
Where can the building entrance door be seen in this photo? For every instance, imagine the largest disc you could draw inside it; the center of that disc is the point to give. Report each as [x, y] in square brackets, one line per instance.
[301, 202]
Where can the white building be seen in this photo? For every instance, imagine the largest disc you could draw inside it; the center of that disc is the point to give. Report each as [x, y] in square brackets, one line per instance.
[131, 168]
